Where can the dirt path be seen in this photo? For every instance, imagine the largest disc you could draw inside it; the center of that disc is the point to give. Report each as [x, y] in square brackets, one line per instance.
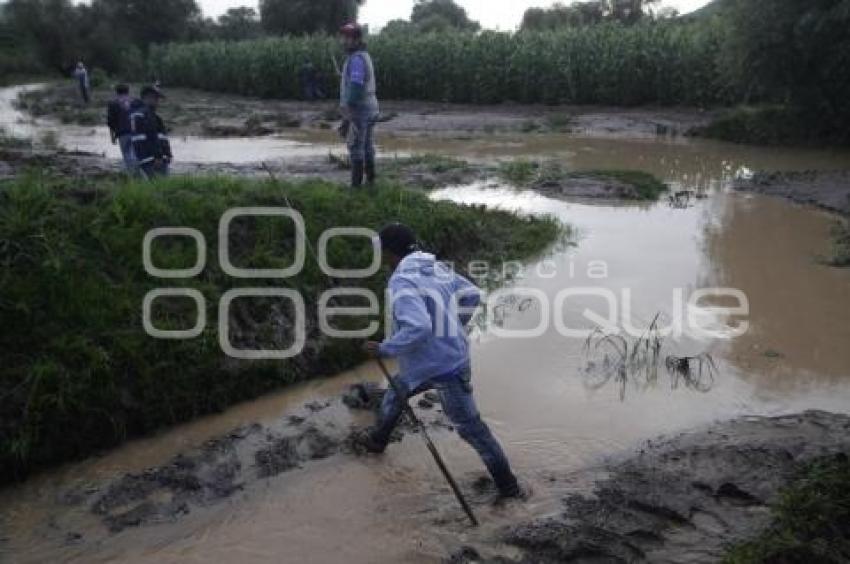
[827, 190]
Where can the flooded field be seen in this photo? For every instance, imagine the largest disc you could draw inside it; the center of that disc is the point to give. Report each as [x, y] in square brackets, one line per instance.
[536, 393]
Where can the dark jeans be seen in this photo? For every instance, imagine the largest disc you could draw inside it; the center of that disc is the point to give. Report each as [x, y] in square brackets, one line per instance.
[459, 406]
[361, 143]
[125, 142]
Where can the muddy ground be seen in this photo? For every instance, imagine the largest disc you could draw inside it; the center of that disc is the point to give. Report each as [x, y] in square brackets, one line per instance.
[827, 190]
[225, 465]
[416, 172]
[193, 112]
[685, 498]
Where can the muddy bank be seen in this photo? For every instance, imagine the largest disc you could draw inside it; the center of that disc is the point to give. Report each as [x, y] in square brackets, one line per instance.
[687, 498]
[223, 466]
[193, 112]
[827, 190]
[422, 172]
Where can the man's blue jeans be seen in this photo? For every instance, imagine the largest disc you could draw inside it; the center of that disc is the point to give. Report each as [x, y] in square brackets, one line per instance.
[125, 142]
[361, 143]
[459, 406]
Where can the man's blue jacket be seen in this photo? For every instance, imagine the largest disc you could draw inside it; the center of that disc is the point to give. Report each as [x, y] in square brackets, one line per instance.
[431, 306]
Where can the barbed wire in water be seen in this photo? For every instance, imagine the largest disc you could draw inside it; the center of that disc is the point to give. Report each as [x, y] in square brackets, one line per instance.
[621, 360]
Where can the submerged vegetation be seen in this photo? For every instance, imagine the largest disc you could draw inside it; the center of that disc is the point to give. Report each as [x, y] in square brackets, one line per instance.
[811, 520]
[79, 371]
[612, 357]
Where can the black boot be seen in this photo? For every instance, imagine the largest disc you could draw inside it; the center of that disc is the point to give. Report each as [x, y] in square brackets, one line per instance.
[370, 171]
[356, 174]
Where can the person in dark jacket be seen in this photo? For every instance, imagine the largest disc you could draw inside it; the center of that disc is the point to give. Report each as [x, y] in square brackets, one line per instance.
[150, 138]
[118, 121]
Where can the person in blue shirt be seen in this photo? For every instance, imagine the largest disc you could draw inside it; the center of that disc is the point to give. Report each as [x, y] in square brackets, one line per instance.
[358, 102]
[431, 307]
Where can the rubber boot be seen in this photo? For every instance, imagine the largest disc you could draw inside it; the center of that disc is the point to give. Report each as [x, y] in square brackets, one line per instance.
[356, 174]
[508, 486]
[370, 172]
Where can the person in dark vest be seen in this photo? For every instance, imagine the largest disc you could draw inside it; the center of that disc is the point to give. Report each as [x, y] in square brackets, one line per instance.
[150, 137]
[358, 104]
[118, 121]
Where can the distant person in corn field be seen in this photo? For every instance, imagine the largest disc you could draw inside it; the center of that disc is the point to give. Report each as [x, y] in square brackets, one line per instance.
[81, 75]
[118, 121]
[309, 78]
[359, 104]
[150, 138]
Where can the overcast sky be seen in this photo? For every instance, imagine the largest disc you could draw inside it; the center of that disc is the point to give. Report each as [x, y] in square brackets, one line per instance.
[495, 14]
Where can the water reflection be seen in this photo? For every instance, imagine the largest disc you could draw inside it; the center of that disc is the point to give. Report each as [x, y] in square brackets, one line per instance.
[799, 308]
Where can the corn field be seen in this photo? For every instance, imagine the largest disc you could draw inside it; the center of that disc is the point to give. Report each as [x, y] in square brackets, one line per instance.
[659, 63]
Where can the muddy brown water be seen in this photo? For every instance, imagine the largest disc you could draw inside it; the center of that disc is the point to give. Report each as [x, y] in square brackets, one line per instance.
[533, 391]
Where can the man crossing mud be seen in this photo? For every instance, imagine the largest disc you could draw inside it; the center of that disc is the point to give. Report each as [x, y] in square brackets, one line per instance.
[431, 307]
[359, 104]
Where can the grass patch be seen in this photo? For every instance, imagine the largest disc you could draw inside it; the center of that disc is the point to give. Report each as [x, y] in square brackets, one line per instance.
[519, 172]
[773, 125]
[437, 164]
[525, 173]
[648, 186]
[79, 372]
[811, 521]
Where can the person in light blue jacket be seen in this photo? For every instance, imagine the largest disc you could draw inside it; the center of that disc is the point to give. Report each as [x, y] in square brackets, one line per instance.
[431, 307]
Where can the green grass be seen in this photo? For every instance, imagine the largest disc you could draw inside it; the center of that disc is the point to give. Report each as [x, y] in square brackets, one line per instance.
[519, 172]
[648, 186]
[79, 373]
[522, 172]
[811, 521]
[431, 162]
